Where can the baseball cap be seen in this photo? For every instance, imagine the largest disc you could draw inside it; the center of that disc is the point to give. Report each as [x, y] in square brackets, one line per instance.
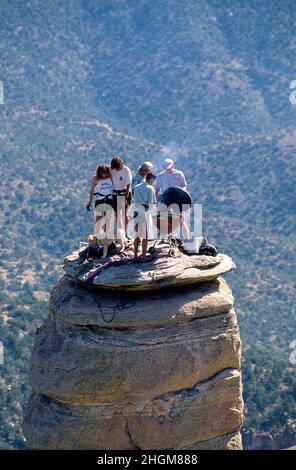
[168, 164]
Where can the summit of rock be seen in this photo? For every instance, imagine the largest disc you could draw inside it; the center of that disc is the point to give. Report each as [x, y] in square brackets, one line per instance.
[162, 272]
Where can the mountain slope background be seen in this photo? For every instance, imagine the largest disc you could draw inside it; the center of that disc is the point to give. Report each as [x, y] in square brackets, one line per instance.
[206, 82]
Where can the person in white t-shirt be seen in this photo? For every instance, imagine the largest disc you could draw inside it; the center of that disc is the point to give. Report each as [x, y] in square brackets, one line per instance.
[122, 178]
[172, 178]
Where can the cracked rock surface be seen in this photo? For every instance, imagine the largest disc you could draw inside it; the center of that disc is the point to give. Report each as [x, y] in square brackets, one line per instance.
[162, 272]
[129, 370]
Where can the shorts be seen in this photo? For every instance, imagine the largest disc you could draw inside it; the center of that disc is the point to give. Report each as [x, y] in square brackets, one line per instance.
[119, 201]
[106, 203]
[143, 225]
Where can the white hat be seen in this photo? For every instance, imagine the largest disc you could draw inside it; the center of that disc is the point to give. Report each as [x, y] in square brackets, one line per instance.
[168, 164]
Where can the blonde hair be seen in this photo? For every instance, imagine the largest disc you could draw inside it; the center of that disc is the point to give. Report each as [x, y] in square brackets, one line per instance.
[92, 238]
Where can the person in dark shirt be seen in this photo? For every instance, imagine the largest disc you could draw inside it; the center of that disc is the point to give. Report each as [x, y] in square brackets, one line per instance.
[94, 250]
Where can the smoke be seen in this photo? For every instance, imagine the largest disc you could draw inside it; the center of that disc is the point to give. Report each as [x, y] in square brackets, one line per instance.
[170, 150]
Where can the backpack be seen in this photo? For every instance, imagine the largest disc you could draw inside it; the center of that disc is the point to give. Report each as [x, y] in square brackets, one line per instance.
[207, 249]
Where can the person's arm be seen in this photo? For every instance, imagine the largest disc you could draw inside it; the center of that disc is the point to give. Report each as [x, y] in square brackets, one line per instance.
[134, 181]
[152, 202]
[128, 189]
[129, 179]
[183, 183]
[158, 186]
[92, 188]
[128, 195]
[153, 196]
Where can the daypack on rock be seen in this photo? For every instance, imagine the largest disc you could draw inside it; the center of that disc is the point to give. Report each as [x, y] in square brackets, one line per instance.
[207, 249]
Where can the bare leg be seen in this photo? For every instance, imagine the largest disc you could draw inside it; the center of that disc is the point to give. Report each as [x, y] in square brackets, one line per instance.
[144, 247]
[108, 215]
[185, 229]
[105, 249]
[126, 220]
[136, 246]
[98, 218]
[120, 223]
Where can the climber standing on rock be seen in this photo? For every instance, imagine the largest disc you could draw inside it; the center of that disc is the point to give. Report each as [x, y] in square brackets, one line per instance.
[141, 174]
[102, 191]
[172, 178]
[144, 201]
[121, 178]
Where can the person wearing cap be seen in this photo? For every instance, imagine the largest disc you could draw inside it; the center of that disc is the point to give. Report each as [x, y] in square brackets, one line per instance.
[144, 202]
[143, 170]
[172, 178]
[169, 178]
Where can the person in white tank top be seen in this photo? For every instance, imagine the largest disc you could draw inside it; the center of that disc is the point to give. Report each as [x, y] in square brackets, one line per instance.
[102, 191]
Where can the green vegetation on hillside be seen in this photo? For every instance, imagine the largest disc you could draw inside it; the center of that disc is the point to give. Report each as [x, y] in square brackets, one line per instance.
[269, 392]
[20, 316]
[206, 82]
[269, 381]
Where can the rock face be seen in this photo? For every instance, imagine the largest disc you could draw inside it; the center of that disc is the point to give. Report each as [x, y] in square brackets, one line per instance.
[135, 370]
[163, 272]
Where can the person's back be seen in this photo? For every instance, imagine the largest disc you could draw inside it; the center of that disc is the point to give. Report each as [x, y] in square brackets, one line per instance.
[144, 195]
[137, 179]
[174, 179]
[169, 178]
[103, 188]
